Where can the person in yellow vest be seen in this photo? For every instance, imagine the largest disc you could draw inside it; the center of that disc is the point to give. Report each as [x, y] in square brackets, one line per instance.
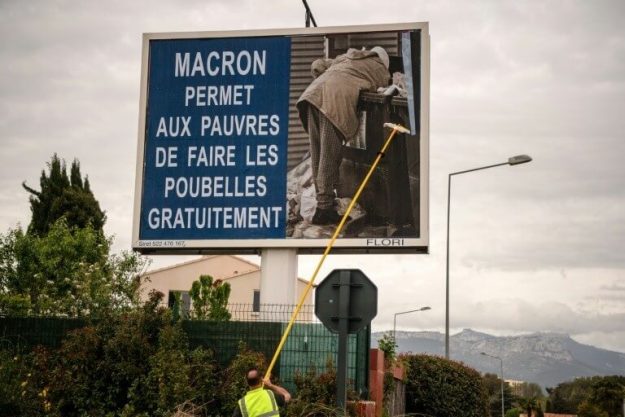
[260, 401]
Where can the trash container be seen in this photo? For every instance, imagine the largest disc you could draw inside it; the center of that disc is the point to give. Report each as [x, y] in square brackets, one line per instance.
[391, 193]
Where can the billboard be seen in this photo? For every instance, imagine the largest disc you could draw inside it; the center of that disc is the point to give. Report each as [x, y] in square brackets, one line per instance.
[259, 139]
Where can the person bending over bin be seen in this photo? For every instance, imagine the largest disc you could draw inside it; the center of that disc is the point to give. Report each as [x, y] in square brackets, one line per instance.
[328, 110]
[260, 401]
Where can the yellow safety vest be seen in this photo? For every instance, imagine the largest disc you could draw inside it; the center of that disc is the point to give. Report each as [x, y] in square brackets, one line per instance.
[259, 402]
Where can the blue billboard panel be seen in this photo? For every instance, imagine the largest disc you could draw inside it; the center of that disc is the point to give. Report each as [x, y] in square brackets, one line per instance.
[260, 139]
[216, 139]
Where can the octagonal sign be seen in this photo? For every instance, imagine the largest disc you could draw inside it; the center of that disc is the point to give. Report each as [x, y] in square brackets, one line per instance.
[346, 294]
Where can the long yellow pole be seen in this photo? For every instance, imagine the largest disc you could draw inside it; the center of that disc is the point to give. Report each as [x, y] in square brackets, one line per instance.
[391, 135]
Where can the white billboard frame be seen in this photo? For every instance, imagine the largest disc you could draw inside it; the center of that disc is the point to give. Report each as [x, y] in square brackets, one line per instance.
[303, 245]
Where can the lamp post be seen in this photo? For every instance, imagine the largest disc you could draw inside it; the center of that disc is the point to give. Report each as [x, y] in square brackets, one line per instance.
[501, 362]
[514, 160]
[406, 312]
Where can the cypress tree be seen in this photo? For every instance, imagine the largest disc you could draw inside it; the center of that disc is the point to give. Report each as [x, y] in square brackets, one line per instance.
[65, 196]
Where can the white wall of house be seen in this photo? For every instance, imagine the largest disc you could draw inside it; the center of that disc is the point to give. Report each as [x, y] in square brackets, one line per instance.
[243, 276]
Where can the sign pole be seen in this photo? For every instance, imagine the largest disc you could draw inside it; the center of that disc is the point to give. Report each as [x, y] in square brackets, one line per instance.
[345, 302]
[341, 375]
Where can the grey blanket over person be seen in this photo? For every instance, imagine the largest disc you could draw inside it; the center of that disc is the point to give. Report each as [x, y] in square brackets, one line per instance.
[335, 92]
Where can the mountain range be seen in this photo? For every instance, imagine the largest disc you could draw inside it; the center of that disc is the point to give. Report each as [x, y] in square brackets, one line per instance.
[544, 358]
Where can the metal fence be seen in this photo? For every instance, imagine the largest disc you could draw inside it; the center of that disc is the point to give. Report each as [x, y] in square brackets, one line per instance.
[277, 313]
[309, 346]
[26, 332]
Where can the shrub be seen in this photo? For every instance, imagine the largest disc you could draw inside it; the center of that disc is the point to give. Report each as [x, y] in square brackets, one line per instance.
[210, 299]
[514, 412]
[101, 368]
[79, 384]
[443, 388]
[204, 376]
[317, 387]
[233, 385]
[130, 365]
[316, 394]
[587, 409]
[388, 345]
[138, 364]
[12, 374]
[24, 381]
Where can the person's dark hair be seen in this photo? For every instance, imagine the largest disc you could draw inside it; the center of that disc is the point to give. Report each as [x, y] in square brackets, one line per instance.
[253, 377]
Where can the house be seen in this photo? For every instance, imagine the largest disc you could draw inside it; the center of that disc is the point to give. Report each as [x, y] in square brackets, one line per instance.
[516, 386]
[243, 277]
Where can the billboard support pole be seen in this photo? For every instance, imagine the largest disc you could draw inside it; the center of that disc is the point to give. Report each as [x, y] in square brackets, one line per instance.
[278, 277]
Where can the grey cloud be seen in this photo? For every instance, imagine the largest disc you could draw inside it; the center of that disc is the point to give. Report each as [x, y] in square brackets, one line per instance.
[539, 78]
[605, 340]
[523, 316]
[613, 287]
[561, 236]
[541, 74]
[616, 299]
[562, 210]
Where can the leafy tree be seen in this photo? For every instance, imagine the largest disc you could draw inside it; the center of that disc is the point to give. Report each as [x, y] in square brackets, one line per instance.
[14, 305]
[177, 312]
[597, 394]
[530, 398]
[493, 388]
[210, 299]
[608, 393]
[587, 409]
[388, 346]
[528, 405]
[567, 396]
[67, 271]
[529, 390]
[443, 388]
[539, 410]
[63, 196]
[62, 264]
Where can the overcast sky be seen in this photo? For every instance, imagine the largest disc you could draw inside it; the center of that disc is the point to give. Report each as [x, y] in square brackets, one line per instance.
[537, 247]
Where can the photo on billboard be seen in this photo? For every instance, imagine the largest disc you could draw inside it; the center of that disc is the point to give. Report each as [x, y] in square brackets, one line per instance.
[260, 139]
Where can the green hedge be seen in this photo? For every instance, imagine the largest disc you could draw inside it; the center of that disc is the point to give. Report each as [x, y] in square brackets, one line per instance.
[439, 387]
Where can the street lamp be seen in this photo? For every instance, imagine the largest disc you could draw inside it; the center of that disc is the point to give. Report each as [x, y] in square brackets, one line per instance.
[501, 361]
[515, 160]
[406, 312]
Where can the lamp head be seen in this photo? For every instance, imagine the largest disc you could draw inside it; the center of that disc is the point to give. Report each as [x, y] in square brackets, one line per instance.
[519, 159]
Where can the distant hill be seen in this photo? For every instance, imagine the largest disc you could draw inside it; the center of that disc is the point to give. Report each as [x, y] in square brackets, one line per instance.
[544, 358]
